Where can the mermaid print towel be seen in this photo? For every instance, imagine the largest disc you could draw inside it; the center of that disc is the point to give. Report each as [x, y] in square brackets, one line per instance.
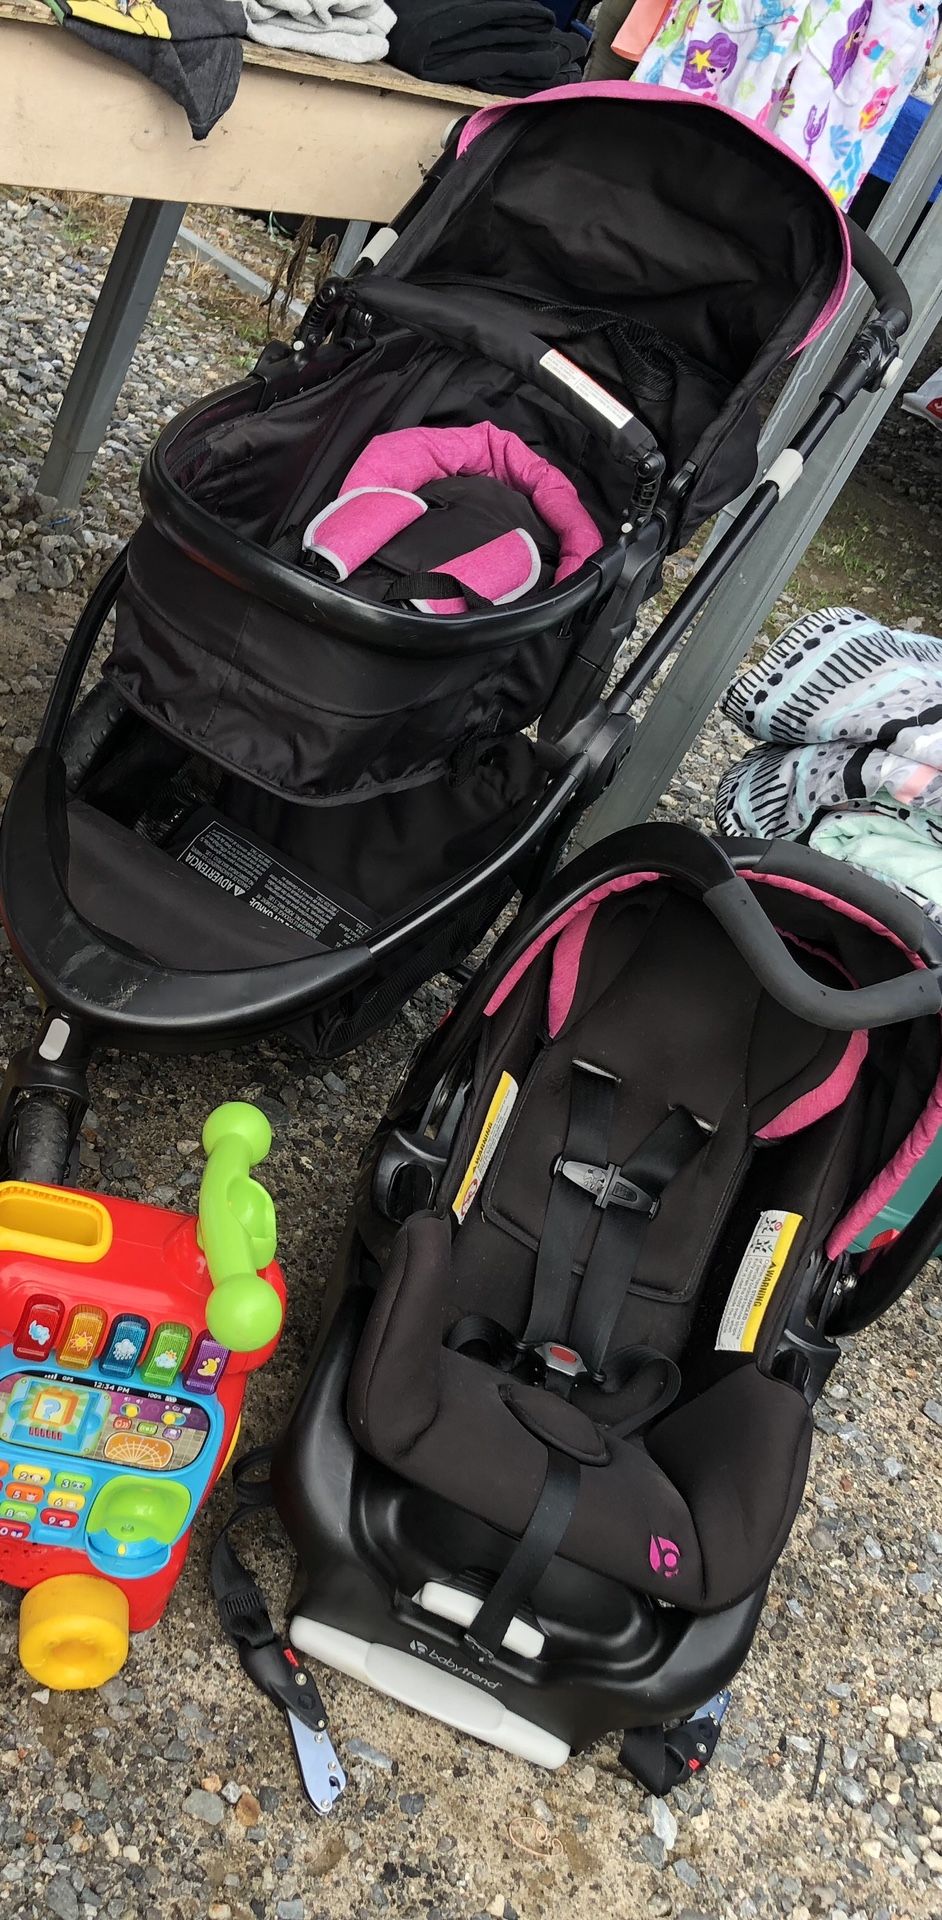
[828, 77]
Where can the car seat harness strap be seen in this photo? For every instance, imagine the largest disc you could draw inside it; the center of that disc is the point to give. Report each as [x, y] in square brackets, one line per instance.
[541, 1539]
[628, 1197]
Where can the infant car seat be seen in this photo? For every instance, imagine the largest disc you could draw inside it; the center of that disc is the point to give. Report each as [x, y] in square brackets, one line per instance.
[558, 1426]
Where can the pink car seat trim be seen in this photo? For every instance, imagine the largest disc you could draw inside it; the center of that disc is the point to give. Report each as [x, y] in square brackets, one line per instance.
[822, 1099]
[581, 907]
[627, 91]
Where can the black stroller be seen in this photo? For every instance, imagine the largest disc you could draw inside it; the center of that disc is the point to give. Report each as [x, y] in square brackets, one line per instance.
[309, 776]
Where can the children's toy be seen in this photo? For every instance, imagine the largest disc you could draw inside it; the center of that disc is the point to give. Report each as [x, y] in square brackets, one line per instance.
[127, 1335]
[557, 1430]
[364, 636]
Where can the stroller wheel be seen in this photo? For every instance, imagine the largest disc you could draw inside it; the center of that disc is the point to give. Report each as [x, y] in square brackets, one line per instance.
[39, 1147]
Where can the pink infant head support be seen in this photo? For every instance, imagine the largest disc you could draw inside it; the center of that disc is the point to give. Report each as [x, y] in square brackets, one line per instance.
[379, 499]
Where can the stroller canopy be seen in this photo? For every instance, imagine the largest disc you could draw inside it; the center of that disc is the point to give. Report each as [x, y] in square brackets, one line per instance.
[714, 251]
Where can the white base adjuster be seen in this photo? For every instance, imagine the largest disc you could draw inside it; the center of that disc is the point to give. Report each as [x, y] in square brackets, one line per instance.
[431, 1682]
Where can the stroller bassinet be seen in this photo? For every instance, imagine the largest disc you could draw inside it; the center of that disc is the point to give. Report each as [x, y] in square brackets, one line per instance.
[297, 792]
[558, 1425]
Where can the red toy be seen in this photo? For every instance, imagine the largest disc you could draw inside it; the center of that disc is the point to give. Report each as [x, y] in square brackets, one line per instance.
[126, 1336]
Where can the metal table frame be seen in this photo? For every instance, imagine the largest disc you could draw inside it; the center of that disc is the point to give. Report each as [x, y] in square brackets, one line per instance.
[708, 659]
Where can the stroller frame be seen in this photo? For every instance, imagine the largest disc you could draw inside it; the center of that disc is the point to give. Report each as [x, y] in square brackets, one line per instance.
[96, 991]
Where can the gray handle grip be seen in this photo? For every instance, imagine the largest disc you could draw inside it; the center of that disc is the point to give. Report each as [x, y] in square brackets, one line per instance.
[884, 1004]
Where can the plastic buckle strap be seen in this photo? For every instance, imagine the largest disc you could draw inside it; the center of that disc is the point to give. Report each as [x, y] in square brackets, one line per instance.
[270, 1663]
[608, 1186]
[279, 1674]
[559, 1359]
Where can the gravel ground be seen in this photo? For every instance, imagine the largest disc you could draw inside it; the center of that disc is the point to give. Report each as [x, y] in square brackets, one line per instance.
[170, 1792]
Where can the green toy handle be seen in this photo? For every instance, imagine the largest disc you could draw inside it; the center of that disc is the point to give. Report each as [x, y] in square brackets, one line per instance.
[237, 1229]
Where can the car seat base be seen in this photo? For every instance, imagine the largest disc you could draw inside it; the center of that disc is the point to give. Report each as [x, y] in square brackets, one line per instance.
[430, 1681]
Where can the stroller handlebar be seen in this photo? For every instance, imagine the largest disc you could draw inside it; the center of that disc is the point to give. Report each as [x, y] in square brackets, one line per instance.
[879, 274]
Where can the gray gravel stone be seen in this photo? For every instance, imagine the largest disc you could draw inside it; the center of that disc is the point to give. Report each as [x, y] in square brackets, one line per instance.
[61, 1898]
[204, 1806]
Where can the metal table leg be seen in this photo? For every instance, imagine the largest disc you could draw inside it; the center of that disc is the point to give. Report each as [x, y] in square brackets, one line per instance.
[118, 317]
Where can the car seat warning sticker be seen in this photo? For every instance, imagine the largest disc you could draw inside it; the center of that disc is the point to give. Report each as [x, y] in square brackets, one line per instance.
[496, 1118]
[757, 1276]
[587, 388]
[247, 870]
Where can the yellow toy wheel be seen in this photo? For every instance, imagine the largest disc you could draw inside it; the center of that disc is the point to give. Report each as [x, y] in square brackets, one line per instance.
[73, 1632]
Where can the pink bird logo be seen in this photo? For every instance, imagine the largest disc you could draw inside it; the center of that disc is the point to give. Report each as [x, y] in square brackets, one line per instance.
[664, 1555]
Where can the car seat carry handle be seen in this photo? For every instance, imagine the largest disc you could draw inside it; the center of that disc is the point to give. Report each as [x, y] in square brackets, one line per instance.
[680, 853]
[890, 292]
[907, 997]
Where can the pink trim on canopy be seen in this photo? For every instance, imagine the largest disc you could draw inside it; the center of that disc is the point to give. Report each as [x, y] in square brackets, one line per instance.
[414, 456]
[627, 90]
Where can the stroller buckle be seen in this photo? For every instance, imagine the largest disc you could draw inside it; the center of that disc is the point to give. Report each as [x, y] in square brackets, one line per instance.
[608, 1186]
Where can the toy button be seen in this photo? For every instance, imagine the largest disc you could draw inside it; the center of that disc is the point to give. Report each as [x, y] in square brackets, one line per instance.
[125, 1344]
[39, 1324]
[140, 1510]
[74, 1482]
[82, 1336]
[10, 1512]
[147, 1427]
[67, 1502]
[50, 1518]
[35, 1476]
[16, 1490]
[13, 1529]
[206, 1366]
[167, 1354]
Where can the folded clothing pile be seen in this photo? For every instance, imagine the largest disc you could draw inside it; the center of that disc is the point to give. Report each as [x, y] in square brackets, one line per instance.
[849, 714]
[501, 46]
[193, 48]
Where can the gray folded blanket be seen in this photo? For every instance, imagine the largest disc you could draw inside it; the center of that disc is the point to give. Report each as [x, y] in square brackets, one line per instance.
[337, 29]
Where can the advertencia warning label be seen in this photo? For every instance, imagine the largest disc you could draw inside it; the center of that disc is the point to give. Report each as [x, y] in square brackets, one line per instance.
[496, 1118]
[238, 864]
[756, 1279]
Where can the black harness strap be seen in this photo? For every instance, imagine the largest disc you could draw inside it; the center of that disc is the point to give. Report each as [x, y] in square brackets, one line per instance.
[540, 1540]
[629, 1364]
[591, 1108]
[625, 1220]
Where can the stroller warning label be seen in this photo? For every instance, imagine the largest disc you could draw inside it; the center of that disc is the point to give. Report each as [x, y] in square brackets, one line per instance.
[247, 870]
[757, 1276]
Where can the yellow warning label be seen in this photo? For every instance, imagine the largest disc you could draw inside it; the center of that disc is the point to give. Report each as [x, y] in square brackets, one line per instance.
[498, 1114]
[756, 1278]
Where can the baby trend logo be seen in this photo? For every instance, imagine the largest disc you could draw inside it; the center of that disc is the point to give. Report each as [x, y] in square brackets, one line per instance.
[664, 1555]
